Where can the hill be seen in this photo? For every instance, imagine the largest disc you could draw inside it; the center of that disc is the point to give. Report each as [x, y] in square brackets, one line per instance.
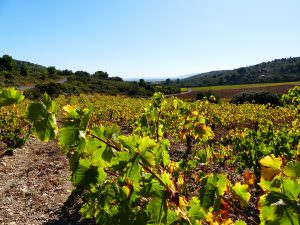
[278, 70]
[39, 79]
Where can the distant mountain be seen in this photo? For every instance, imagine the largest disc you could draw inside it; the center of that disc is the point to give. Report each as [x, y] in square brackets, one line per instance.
[278, 70]
[147, 79]
[187, 75]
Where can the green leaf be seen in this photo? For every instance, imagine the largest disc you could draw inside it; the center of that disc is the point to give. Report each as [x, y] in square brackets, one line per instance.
[155, 188]
[145, 147]
[158, 210]
[68, 136]
[166, 178]
[42, 117]
[196, 212]
[165, 153]
[71, 111]
[292, 169]
[213, 187]
[106, 132]
[122, 157]
[172, 218]
[148, 158]
[79, 174]
[86, 211]
[280, 204]
[95, 150]
[9, 96]
[241, 191]
[267, 213]
[128, 165]
[101, 175]
[290, 217]
[265, 184]
[134, 171]
[85, 118]
[130, 142]
[291, 189]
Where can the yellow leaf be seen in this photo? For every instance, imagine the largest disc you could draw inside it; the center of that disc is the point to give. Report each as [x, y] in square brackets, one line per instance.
[196, 177]
[270, 167]
[69, 108]
[249, 177]
[227, 222]
[126, 190]
[195, 113]
[182, 202]
[173, 166]
[180, 180]
[209, 217]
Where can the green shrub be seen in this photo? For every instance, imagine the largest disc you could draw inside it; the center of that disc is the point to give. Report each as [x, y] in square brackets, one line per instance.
[210, 96]
[292, 97]
[257, 98]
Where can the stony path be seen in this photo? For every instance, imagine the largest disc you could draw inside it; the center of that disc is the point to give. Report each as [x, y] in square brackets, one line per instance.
[34, 185]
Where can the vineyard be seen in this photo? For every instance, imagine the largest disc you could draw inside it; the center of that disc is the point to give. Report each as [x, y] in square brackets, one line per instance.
[165, 160]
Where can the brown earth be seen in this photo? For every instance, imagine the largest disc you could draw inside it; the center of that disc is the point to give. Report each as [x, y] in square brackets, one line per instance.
[35, 183]
[228, 93]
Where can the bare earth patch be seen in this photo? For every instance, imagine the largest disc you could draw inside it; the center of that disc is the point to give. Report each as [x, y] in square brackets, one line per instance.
[35, 183]
[228, 93]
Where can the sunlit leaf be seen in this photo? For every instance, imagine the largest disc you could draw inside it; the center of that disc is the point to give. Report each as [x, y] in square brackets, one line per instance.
[241, 191]
[270, 167]
[292, 169]
[42, 117]
[9, 96]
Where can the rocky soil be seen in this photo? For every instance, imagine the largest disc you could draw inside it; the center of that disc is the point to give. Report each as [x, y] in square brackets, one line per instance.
[35, 183]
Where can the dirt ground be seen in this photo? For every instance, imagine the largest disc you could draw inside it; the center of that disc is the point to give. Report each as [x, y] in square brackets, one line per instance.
[35, 183]
[229, 93]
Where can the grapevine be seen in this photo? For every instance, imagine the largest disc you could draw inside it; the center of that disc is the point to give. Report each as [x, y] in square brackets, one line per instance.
[133, 178]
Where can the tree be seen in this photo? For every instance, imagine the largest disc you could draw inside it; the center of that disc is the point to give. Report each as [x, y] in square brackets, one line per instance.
[24, 70]
[168, 81]
[51, 70]
[101, 75]
[242, 71]
[8, 62]
[66, 72]
[82, 74]
[142, 83]
[116, 78]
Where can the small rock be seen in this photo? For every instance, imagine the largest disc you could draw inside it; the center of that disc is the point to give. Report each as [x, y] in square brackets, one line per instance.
[12, 223]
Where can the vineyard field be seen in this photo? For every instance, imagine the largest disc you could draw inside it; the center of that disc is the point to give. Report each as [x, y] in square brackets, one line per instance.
[228, 91]
[160, 160]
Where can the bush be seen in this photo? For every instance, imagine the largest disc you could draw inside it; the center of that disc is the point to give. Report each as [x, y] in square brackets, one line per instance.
[208, 95]
[52, 89]
[257, 98]
[292, 97]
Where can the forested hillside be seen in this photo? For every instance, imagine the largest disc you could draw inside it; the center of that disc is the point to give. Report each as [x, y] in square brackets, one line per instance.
[38, 79]
[278, 70]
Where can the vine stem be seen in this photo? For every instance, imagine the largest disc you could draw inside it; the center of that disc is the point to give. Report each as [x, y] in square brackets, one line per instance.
[239, 210]
[157, 125]
[120, 150]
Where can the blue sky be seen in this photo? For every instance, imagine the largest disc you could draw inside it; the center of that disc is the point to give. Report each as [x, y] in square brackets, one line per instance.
[149, 38]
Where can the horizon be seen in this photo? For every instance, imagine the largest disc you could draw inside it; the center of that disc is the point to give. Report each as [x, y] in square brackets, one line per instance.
[149, 40]
[157, 79]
